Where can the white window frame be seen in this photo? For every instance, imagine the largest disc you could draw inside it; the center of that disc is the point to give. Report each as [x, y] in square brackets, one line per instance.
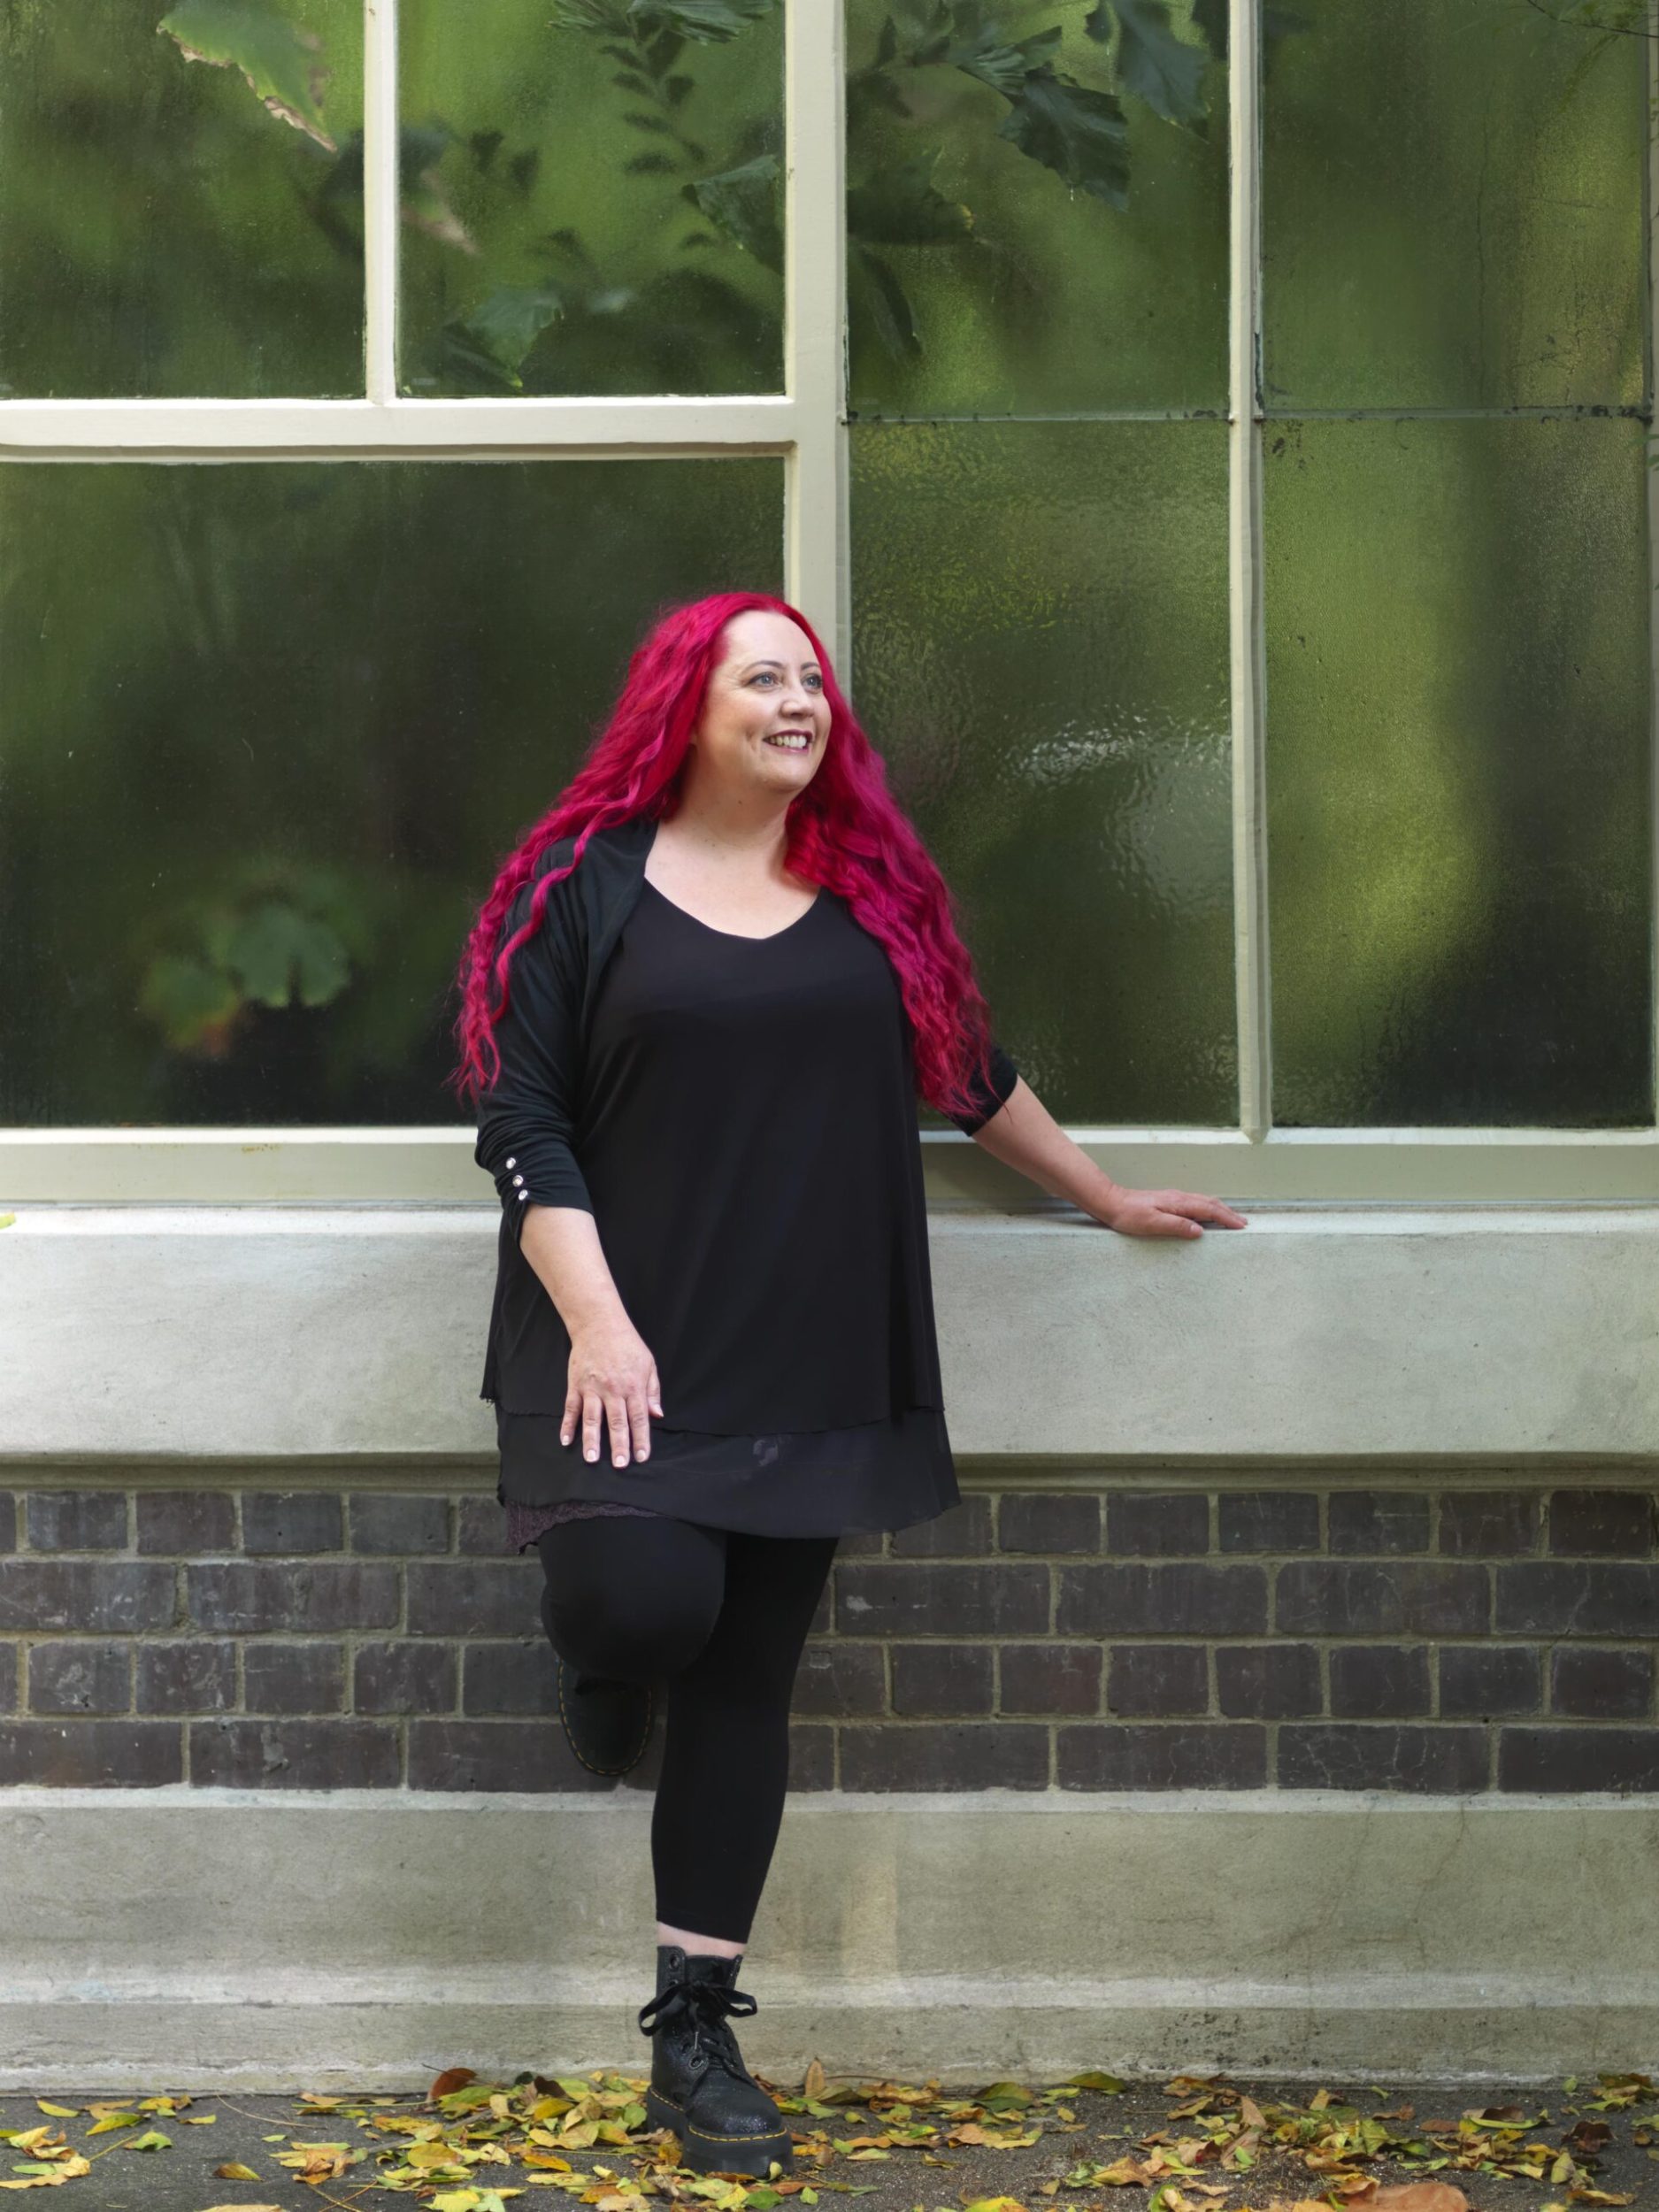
[806, 427]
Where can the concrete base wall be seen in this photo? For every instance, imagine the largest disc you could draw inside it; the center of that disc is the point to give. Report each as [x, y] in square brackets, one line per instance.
[341, 1939]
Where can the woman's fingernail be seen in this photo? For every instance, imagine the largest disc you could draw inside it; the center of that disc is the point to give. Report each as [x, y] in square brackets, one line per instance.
[641, 1453]
[593, 1451]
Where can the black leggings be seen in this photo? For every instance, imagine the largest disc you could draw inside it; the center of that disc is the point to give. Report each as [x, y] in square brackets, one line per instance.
[717, 1619]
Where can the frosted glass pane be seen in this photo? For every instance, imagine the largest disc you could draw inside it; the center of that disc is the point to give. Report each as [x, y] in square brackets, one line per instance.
[607, 197]
[1041, 652]
[267, 733]
[1037, 216]
[1452, 208]
[1458, 719]
[164, 234]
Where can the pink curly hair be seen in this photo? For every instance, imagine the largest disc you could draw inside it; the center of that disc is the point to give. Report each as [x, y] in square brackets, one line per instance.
[845, 831]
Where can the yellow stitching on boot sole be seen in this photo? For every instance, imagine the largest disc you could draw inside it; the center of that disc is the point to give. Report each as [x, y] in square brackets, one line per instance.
[650, 1699]
[708, 2135]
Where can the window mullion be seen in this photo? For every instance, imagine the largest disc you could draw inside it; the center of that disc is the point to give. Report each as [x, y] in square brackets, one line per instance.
[815, 496]
[379, 199]
[1244, 561]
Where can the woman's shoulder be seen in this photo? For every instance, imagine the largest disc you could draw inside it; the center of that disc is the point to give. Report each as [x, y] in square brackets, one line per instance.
[614, 848]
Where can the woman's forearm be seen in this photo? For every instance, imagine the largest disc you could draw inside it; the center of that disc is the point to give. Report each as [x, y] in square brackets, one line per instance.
[1024, 1134]
[562, 1245]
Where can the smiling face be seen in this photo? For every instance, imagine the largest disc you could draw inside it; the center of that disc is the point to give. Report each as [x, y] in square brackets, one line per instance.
[766, 719]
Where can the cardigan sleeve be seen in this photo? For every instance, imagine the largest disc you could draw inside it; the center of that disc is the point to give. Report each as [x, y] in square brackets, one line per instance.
[526, 1119]
[993, 1096]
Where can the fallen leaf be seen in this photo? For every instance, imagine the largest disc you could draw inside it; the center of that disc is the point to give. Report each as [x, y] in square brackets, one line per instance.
[456, 2078]
[1411, 2196]
[235, 2172]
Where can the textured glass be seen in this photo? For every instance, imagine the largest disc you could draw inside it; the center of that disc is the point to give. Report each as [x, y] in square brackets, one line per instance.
[1037, 208]
[1452, 206]
[1458, 720]
[174, 227]
[607, 197]
[266, 734]
[1041, 654]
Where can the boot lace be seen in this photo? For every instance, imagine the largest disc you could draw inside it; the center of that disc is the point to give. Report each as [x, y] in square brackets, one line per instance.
[707, 2005]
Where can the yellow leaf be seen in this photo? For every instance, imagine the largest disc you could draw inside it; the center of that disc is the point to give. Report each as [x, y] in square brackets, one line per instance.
[233, 2171]
[200, 2119]
[58, 2111]
[816, 2082]
[244, 2208]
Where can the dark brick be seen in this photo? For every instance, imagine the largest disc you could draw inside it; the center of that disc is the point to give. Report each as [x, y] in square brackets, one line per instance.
[1489, 1523]
[302, 1597]
[76, 1520]
[1406, 1597]
[1183, 1601]
[8, 1521]
[1377, 1521]
[1379, 1681]
[400, 1522]
[133, 1755]
[962, 1531]
[1173, 1756]
[308, 1678]
[519, 1677]
[1158, 1679]
[291, 1521]
[811, 1757]
[499, 1597]
[840, 1681]
[115, 1595]
[882, 1598]
[943, 1679]
[1557, 1598]
[295, 1755]
[8, 1678]
[495, 1755]
[1477, 1680]
[480, 1530]
[1620, 1522]
[404, 1678]
[860, 1543]
[946, 1755]
[171, 1523]
[198, 1676]
[1040, 1521]
[82, 1676]
[1588, 1682]
[1614, 1760]
[1270, 1520]
[1267, 1681]
[1050, 1678]
[1381, 1756]
[1148, 1524]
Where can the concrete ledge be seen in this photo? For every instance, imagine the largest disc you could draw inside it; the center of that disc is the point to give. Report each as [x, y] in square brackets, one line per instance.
[192, 1938]
[268, 1332]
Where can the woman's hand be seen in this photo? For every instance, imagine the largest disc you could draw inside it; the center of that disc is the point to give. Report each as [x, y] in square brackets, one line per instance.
[1162, 1213]
[611, 1371]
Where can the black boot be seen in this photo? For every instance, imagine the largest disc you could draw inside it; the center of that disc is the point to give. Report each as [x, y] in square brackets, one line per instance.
[700, 2086]
[607, 1724]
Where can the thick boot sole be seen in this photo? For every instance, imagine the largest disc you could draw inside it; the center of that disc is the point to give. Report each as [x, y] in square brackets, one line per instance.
[706, 2153]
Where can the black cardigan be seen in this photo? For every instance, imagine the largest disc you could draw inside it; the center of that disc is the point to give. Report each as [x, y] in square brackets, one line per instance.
[527, 1120]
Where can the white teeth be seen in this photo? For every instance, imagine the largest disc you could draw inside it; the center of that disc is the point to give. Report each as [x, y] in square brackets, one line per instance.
[790, 744]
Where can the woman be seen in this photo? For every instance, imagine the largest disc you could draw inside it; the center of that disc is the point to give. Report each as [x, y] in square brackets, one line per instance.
[699, 1005]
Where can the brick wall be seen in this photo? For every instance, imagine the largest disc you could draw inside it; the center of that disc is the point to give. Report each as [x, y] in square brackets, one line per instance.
[1119, 1635]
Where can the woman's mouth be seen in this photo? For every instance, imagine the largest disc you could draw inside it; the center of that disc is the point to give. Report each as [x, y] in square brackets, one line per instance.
[791, 741]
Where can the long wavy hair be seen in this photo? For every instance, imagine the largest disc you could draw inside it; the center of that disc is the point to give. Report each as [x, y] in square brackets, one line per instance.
[844, 832]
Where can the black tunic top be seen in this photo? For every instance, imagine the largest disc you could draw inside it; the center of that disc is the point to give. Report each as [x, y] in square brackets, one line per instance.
[748, 1135]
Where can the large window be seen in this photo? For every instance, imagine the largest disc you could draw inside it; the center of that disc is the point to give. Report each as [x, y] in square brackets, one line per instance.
[1226, 487]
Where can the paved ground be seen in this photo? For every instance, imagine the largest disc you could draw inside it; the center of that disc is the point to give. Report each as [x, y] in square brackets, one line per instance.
[1184, 2143]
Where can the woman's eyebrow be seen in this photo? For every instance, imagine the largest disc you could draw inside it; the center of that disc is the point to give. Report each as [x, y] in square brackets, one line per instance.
[775, 664]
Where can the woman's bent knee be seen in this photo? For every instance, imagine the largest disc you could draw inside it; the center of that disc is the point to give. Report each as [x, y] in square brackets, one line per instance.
[630, 1611]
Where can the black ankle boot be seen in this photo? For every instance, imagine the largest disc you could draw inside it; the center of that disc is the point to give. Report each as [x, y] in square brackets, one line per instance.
[700, 2086]
[606, 1723]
